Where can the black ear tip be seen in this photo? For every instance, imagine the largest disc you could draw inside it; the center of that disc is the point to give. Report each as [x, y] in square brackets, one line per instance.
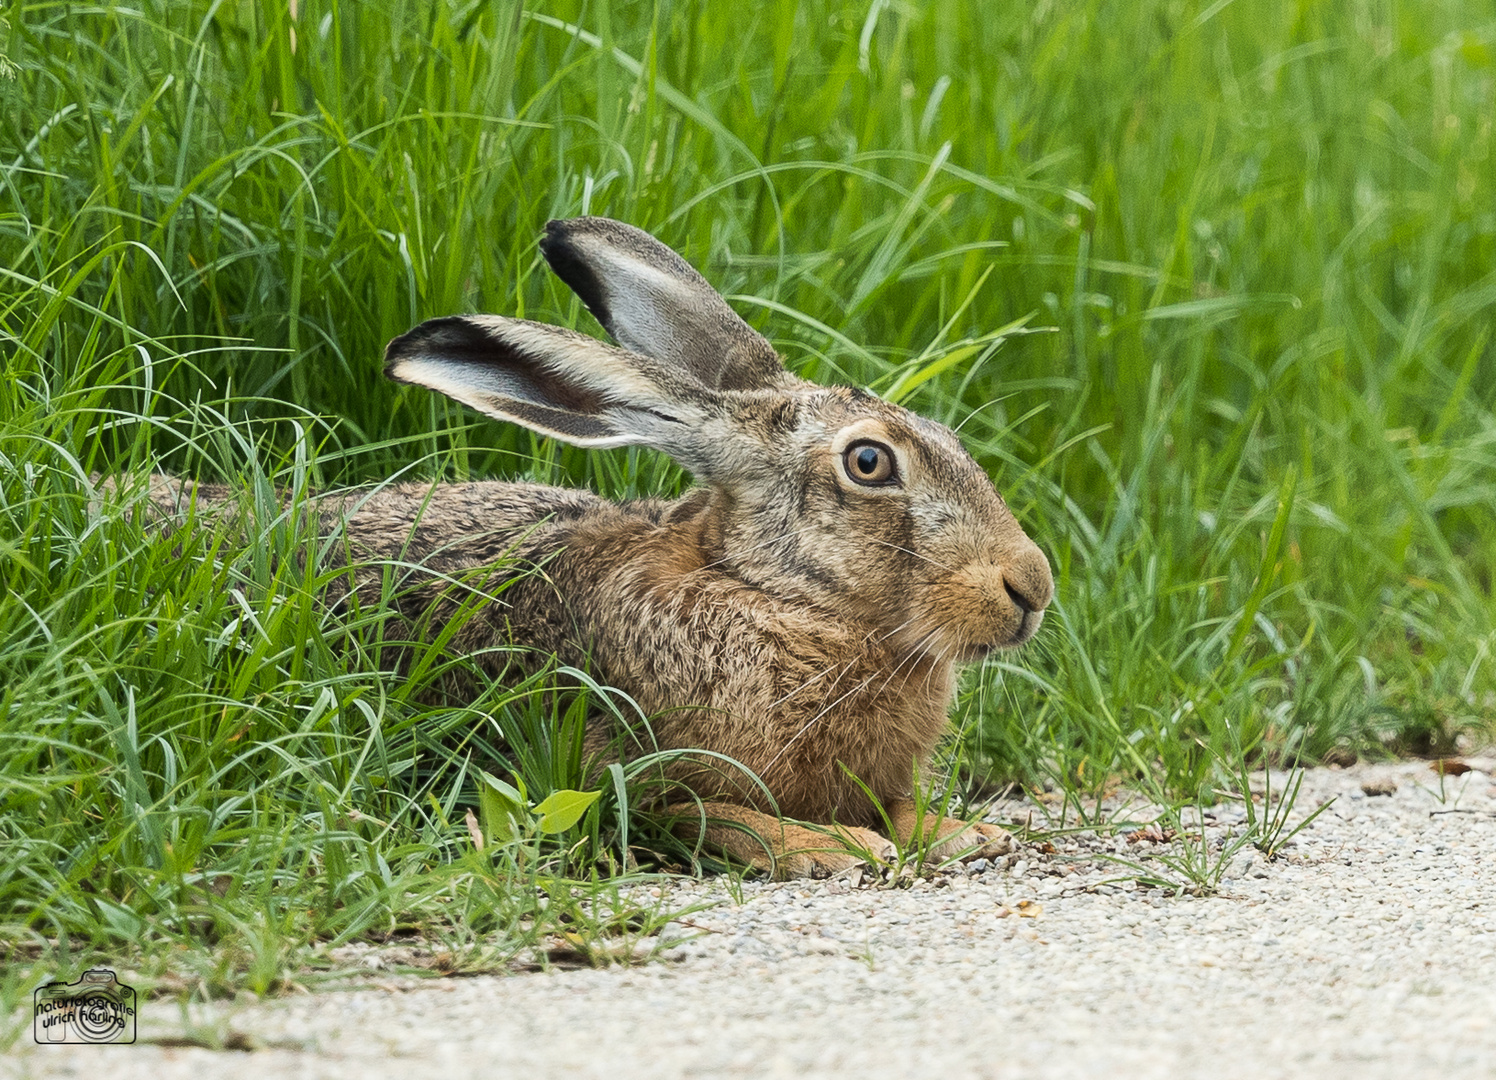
[445, 333]
[560, 230]
[568, 259]
[397, 350]
[396, 354]
[556, 245]
[412, 340]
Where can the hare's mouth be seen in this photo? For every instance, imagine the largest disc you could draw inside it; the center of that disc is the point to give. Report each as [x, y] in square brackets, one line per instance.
[1028, 625]
[975, 653]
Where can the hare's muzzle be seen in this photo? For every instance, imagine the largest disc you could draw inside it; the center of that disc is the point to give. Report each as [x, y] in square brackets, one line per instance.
[994, 604]
[1028, 582]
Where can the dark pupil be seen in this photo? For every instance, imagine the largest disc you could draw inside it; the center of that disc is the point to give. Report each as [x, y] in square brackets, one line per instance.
[867, 460]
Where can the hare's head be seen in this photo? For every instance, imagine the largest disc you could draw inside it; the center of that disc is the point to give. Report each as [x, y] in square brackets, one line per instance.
[824, 494]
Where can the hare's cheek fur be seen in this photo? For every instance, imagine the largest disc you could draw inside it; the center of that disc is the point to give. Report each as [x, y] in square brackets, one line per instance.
[981, 583]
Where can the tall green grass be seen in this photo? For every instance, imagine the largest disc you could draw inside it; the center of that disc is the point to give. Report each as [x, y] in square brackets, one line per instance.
[1209, 289]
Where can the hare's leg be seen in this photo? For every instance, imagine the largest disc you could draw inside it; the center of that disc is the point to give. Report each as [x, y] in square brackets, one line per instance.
[952, 835]
[773, 845]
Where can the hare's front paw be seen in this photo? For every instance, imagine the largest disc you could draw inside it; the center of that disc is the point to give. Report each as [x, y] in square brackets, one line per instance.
[822, 854]
[772, 845]
[950, 838]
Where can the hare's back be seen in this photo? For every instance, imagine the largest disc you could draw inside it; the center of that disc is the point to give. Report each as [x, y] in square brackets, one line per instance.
[451, 525]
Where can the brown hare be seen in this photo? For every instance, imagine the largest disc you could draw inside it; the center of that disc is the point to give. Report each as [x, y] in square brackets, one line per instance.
[802, 612]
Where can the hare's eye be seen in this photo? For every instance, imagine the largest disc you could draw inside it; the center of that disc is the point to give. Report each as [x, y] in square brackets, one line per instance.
[870, 463]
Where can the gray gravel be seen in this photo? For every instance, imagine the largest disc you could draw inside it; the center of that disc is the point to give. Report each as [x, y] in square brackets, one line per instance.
[1367, 950]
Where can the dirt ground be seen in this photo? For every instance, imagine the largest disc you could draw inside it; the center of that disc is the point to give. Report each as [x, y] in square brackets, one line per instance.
[1368, 950]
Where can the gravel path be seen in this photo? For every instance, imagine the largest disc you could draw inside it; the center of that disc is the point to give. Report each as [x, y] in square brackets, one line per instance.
[1369, 950]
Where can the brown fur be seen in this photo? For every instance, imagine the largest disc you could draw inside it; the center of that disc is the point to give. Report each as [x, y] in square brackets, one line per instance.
[782, 614]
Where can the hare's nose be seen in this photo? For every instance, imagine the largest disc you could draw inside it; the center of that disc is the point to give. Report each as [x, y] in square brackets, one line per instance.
[1028, 581]
[1024, 604]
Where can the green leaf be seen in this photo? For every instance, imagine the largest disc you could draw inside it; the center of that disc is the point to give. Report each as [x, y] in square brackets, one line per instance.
[1218, 306]
[562, 809]
[501, 808]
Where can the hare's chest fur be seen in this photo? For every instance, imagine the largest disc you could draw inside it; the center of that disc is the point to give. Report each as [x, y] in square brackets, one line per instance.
[796, 694]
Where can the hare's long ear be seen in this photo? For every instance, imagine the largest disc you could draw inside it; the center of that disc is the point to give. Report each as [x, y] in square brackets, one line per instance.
[651, 301]
[556, 382]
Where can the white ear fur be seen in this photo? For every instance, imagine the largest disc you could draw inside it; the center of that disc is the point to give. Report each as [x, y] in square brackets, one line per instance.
[643, 309]
[495, 397]
[553, 381]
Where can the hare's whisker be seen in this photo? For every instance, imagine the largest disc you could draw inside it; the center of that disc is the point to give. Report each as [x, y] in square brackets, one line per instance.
[840, 669]
[939, 663]
[896, 629]
[979, 408]
[910, 657]
[916, 554]
[809, 724]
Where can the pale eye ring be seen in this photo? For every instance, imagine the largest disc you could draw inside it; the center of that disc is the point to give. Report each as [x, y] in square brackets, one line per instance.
[870, 463]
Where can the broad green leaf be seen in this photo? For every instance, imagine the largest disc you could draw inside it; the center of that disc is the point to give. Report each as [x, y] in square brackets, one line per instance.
[562, 809]
[502, 809]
